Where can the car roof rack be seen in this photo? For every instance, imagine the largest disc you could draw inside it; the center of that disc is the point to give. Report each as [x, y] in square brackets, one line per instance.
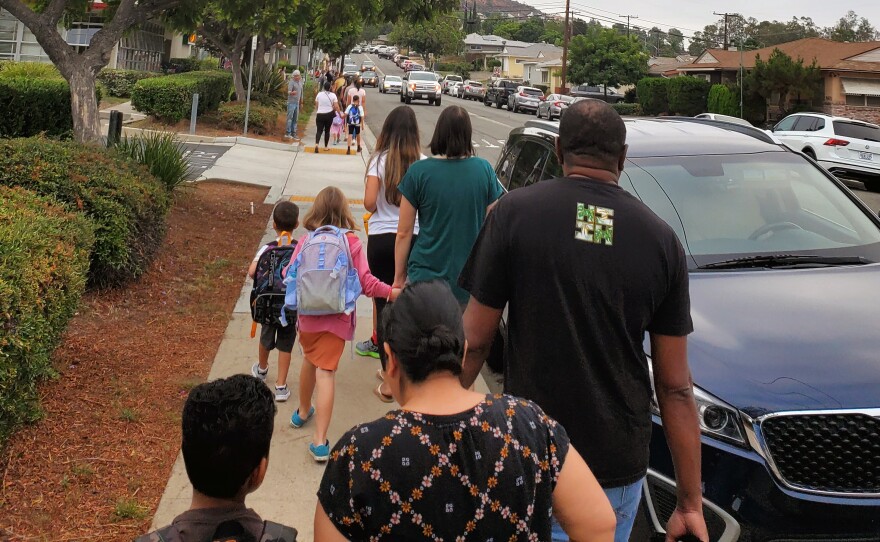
[750, 131]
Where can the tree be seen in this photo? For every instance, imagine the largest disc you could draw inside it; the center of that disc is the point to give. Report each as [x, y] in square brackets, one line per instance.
[603, 56]
[851, 27]
[781, 76]
[675, 39]
[80, 67]
[439, 36]
[530, 31]
[491, 22]
[507, 29]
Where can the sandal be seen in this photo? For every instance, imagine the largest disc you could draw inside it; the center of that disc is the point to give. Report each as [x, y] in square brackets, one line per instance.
[382, 397]
[380, 374]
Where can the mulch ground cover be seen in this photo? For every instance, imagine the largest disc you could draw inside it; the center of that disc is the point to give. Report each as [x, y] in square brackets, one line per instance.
[95, 466]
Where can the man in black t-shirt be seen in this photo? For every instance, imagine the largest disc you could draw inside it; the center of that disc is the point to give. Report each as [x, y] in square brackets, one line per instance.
[586, 269]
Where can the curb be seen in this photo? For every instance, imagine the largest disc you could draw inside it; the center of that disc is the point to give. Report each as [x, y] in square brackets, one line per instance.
[234, 140]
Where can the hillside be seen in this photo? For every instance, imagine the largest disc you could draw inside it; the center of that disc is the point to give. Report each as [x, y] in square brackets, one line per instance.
[512, 7]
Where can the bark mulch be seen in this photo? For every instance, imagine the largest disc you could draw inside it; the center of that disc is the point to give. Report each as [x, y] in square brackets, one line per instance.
[95, 466]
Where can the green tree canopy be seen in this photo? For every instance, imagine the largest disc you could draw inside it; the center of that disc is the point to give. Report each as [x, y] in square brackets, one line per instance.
[603, 56]
[439, 36]
[851, 27]
[781, 76]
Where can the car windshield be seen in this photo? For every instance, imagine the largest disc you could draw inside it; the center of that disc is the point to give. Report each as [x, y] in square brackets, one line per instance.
[453, 78]
[533, 91]
[857, 130]
[475, 84]
[735, 206]
[392, 78]
[369, 74]
[350, 68]
[422, 76]
[563, 98]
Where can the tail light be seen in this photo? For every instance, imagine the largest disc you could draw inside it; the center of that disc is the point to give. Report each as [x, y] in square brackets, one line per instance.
[836, 142]
[522, 93]
[557, 104]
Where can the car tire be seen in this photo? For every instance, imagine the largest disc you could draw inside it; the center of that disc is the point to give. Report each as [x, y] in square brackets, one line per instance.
[487, 103]
[498, 104]
[408, 100]
[402, 98]
[437, 102]
[811, 153]
[430, 101]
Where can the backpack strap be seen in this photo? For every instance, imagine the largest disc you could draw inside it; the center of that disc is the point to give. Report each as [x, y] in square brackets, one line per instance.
[285, 235]
[276, 532]
[165, 534]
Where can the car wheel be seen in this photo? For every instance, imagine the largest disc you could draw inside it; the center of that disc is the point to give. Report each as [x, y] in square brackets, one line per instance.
[408, 100]
[498, 104]
[437, 103]
[810, 152]
[486, 103]
[430, 101]
[402, 98]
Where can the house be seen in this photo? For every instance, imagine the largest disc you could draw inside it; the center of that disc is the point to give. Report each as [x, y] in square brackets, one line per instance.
[142, 48]
[549, 74]
[667, 66]
[850, 72]
[481, 47]
[521, 62]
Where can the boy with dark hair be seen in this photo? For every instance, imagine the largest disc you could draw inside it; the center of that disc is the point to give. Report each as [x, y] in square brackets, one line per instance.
[285, 219]
[354, 118]
[227, 429]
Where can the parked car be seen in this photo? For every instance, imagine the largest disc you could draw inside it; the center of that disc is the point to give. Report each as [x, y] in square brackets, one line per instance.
[498, 92]
[388, 52]
[447, 82]
[414, 67]
[847, 148]
[406, 63]
[473, 90]
[598, 92]
[391, 83]
[455, 89]
[525, 99]
[723, 118]
[370, 78]
[401, 61]
[787, 401]
[553, 106]
[420, 85]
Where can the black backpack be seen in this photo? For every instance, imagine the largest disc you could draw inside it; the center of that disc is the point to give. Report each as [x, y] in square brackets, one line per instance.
[228, 531]
[267, 295]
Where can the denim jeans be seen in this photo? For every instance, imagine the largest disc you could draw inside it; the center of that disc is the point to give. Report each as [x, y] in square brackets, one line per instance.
[292, 114]
[625, 502]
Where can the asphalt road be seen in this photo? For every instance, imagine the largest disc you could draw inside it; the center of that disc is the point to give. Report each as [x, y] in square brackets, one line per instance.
[491, 126]
[202, 156]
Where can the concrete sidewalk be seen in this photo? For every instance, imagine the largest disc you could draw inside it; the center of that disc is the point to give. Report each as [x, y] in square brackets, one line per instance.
[288, 494]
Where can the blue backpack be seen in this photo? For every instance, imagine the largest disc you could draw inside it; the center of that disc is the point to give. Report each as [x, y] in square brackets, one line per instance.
[354, 115]
[322, 278]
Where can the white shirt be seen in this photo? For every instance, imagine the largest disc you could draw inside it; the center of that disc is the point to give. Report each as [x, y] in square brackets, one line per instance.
[359, 92]
[325, 100]
[386, 217]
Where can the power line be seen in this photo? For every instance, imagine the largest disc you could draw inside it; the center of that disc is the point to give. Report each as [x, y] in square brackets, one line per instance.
[628, 17]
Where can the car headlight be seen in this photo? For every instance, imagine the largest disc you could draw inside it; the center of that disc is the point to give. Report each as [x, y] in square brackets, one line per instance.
[717, 419]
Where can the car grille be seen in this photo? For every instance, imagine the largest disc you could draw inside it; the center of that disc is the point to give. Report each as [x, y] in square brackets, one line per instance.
[826, 453]
[663, 500]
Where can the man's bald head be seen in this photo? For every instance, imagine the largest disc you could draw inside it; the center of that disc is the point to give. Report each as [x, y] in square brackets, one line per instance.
[592, 134]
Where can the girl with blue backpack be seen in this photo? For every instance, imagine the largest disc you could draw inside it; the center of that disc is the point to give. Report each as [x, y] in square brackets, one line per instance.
[327, 273]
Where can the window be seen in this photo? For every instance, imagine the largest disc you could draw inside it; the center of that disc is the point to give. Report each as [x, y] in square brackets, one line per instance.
[529, 165]
[545, 76]
[804, 124]
[873, 101]
[856, 130]
[786, 124]
[508, 159]
[856, 100]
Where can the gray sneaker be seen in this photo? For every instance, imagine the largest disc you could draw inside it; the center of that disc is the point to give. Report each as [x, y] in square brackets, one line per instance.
[282, 394]
[259, 373]
[367, 349]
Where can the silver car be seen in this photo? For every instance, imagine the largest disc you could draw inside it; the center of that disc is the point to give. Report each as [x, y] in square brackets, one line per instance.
[525, 99]
[390, 83]
[553, 106]
[472, 90]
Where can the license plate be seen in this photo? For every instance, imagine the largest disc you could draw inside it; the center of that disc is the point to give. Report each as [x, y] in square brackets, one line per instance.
[866, 156]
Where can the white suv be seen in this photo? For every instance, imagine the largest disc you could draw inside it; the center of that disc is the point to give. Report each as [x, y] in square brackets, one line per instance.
[845, 147]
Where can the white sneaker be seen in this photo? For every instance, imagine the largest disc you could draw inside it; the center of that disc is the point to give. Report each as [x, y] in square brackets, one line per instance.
[259, 373]
[282, 394]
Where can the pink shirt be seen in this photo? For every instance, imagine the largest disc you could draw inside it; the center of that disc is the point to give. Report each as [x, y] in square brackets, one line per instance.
[342, 325]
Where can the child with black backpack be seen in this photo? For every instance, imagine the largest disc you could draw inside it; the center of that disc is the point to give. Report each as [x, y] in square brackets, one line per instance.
[227, 430]
[328, 273]
[267, 297]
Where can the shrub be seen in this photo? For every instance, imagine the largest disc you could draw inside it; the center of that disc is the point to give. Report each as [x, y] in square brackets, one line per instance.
[544, 88]
[121, 82]
[29, 69]
[261, 119]
[181, 65]
[160, 153]
[688, 95]
[631, 95]
[169, 98]
[625, 109]
[30, 106]
[653, 96]
[723, 100]
[44, 257]
[126, 205]
[268, 87]
[209, 64]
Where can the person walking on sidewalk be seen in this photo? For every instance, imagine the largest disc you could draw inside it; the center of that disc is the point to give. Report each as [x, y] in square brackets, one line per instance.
[356, 90]
[354, 119]
[451, 193]
[326, 106]
[397, 148]
[586, 270]
[323, 337]
[294, 101]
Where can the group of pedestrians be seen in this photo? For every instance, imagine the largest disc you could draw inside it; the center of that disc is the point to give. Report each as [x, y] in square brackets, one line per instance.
[563, 453]
[340, 110]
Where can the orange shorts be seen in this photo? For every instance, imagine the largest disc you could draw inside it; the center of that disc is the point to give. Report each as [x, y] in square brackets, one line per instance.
[323, 349]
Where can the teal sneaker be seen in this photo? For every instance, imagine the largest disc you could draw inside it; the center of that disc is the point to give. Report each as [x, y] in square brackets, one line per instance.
[320, 453]
[296, 421]
[367, 349]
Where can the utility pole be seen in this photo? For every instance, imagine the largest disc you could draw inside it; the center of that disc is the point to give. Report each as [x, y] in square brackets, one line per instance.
[628, 17]
[566, 36]
[725, 15]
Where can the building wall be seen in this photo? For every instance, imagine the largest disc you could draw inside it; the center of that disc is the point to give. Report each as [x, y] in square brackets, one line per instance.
[835, 98]
[511, 68]
[867, 114]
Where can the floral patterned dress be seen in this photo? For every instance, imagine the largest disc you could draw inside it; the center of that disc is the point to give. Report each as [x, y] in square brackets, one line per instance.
[485, 474]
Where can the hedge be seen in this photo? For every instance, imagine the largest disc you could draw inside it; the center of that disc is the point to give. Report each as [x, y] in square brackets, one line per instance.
[688, 95]
[121, 82]
[625, 109]
[126, 205]
[44, 256]
[653, 95]
[169, 98]
[31, 106]
[261, 119]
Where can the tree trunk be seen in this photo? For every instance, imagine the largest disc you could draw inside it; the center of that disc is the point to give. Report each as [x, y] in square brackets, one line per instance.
[237, 79]
[260, 53]
[84, 104]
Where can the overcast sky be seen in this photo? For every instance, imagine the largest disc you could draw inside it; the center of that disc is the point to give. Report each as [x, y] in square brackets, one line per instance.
[691, 15]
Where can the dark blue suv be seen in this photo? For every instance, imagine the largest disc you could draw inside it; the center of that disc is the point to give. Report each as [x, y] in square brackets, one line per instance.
[785, 355]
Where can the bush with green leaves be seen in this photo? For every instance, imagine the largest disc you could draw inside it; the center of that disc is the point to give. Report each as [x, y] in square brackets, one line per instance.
[268, 87]
[120, 83]
[688, 95]
[169, 98]
[161, 153]
[261, 119]
[628, 110]
[44, 258]
[34, 99]
[124, 202]
[653, 95]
